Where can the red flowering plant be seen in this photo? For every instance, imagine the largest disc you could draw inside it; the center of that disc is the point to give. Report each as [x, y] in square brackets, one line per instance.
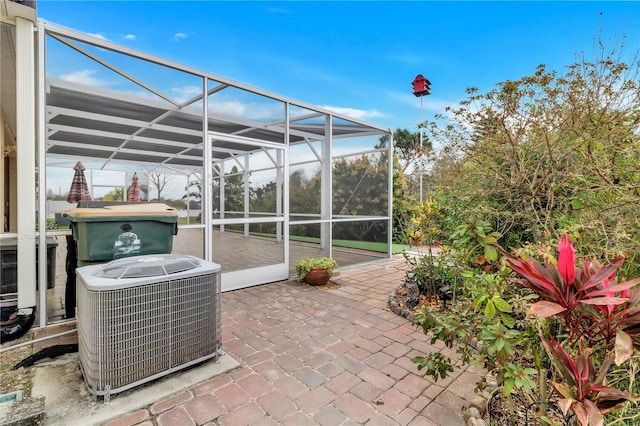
[599, 317]
[584, 391]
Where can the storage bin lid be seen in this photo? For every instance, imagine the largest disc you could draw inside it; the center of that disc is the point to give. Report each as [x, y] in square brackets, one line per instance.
[125, 210]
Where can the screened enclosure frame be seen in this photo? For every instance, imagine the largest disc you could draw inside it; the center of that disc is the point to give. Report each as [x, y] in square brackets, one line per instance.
[109, 129]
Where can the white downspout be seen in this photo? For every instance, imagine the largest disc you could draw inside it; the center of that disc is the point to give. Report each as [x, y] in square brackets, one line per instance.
[26, 153]
[42, 181]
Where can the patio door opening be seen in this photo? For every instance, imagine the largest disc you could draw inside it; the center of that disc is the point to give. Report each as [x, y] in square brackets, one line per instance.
[248, 232]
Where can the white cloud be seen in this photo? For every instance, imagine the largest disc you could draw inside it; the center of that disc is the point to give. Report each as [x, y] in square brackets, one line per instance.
[129, 37]
[85, 77]
[186, 92]
[232, 107]
[180, 36]
[251, 110]
[359, 114]
[98, 35]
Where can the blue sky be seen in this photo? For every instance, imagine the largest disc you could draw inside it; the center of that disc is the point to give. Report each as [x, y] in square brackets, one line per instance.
[359, 57]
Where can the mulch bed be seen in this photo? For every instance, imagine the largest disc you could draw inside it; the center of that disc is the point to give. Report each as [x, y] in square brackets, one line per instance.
[424, 300]
[330, 285]
[524, 412]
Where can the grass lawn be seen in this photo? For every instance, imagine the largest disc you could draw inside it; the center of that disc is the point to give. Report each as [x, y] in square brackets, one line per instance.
[362, 245]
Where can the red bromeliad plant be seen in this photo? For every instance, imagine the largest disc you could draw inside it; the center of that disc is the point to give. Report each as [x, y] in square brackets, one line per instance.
[584, 390]
[591, 300]
[600, 316]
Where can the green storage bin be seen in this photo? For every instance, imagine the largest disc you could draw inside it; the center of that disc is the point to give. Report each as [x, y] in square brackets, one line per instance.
[116, 231]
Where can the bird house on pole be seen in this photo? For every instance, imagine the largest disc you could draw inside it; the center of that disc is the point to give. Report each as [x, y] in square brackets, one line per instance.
[421, 86]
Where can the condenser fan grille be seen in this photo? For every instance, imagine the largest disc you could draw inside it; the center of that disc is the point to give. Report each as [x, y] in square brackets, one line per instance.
[148, 266]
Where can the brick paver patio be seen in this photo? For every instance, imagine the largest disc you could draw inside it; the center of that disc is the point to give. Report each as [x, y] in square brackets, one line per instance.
[318, 357]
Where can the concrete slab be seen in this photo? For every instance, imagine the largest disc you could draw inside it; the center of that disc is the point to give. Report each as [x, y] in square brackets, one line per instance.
[68, 401]
[23, 412]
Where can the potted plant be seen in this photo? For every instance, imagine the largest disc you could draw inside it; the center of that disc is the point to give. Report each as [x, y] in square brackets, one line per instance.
[415, 237]
[315, 271]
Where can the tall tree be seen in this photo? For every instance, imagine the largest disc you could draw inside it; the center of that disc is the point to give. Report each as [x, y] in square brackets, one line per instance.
[234, 191]
[360, 187]
[407, 147]
[159, 181]
[409, 158]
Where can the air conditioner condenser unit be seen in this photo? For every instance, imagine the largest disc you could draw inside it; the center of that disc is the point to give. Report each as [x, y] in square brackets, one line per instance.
[143, 317]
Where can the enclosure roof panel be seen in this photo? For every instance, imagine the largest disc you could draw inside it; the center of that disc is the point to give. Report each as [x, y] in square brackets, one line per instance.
[90, 122]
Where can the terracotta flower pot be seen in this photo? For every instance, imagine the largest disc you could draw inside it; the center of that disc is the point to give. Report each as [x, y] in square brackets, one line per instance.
[415, 243]
[317, 276]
